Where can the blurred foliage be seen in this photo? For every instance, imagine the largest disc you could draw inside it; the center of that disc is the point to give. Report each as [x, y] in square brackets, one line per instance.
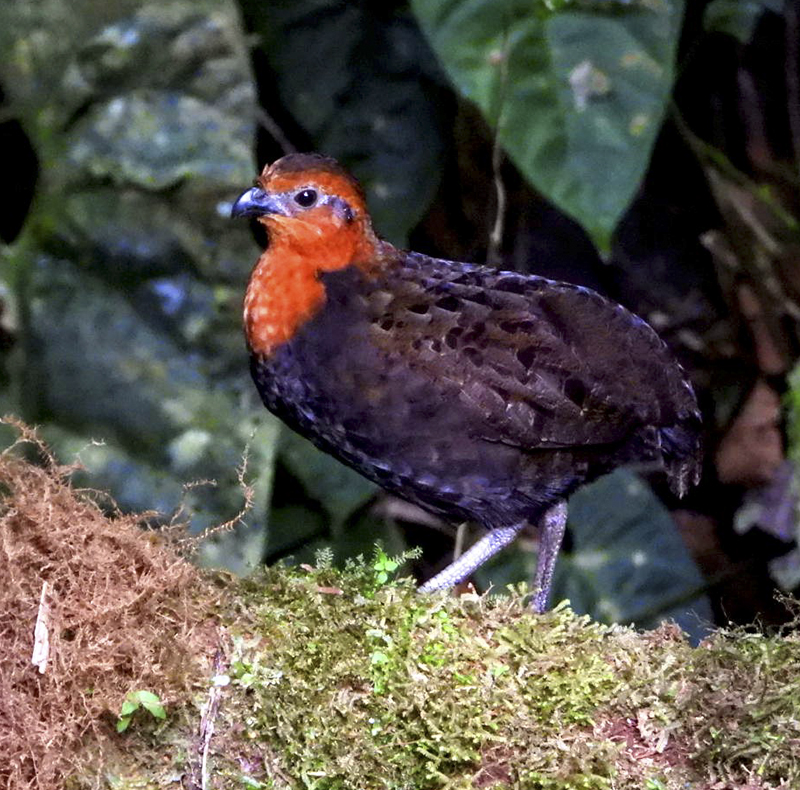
[128, 277]
[124, 289]
[577, 91]
[787, 568]
[357, 78]
[738, 18]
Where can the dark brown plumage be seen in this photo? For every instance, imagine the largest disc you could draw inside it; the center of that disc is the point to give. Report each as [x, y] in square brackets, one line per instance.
[479, 394]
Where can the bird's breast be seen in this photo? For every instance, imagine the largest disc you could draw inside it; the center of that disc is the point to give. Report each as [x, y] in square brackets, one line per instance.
[282, 295]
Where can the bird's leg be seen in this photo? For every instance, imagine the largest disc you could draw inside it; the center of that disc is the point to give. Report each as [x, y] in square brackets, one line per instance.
[552, 528]
[473, 558]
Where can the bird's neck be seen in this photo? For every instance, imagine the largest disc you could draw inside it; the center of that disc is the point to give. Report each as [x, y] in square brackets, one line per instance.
[285, 291]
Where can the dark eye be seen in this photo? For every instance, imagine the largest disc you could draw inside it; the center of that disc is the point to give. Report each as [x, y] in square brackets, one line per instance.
[306, 198]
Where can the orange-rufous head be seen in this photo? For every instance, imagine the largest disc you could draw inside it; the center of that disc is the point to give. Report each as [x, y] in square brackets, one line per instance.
[311, 205]
[317, 221]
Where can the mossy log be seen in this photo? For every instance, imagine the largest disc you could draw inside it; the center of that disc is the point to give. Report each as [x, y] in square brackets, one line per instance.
[311, 677]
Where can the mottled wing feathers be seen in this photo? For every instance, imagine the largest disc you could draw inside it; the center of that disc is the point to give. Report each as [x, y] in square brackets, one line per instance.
[538, 364]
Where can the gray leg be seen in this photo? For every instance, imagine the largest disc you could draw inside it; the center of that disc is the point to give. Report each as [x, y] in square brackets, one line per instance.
[551, 534]
[473, 558]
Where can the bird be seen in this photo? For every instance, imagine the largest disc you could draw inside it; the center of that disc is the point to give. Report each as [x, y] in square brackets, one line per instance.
[478, 394]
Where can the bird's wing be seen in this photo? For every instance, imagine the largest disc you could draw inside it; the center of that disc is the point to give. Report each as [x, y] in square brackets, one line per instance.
[536, 364]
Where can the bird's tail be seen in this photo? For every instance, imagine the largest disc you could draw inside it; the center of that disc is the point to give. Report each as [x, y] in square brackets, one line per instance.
[682, 450]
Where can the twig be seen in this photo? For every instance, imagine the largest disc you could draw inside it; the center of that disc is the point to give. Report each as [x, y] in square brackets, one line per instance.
[41, 634]
[461, 534]
[265, 120]
[391, 507]
[198, 768]
[209, 715]
[249, 495]
[496, 236]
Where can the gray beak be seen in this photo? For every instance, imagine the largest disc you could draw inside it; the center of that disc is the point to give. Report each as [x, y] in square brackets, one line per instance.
[255, 203]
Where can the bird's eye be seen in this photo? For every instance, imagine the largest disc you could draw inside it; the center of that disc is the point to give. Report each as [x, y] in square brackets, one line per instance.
[306, 198]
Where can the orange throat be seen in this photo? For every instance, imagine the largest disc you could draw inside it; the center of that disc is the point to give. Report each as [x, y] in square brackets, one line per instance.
[282, 295]
[285, 291]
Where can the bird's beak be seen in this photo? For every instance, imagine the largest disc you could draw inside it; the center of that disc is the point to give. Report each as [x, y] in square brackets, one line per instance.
[256, 202]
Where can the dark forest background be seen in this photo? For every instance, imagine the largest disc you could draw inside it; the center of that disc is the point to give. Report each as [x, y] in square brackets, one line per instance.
[649, 149]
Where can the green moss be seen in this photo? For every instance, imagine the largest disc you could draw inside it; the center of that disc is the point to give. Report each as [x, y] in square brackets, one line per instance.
[353, 683]
[369, 686]
[752, 683]
[342, 680]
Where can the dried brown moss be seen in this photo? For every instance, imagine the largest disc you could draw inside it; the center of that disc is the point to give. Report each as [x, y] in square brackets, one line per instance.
[122, 614]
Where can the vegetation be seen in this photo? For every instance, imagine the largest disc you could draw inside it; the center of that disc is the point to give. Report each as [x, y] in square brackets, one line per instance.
[313, 677]
[647, 148]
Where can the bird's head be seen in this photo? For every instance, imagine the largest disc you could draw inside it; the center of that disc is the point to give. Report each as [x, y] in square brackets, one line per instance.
[312, 206]
[317, 221]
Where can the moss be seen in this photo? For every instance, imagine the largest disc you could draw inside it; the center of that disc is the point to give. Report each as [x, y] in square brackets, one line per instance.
[368, 686]
[344, 679]
[350, 683]
[752, 684]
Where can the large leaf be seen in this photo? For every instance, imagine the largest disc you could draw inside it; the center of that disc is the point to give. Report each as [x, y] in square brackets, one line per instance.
[628, 561]
[357, 79]
[340, 490]
[579, 92]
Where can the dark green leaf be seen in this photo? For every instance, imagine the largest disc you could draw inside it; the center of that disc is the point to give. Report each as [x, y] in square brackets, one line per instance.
[579, 93]
[738, 18]
[339, 489]
[628, 562]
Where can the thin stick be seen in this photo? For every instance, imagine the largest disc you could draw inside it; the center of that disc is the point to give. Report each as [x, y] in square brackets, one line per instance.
[41, 634]
[265, 120]
[496, 235]
[461, 534]
[208, 718]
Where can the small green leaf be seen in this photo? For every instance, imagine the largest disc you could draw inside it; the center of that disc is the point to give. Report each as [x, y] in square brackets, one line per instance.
[146, 698]
[156, 710]
[136, 699]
